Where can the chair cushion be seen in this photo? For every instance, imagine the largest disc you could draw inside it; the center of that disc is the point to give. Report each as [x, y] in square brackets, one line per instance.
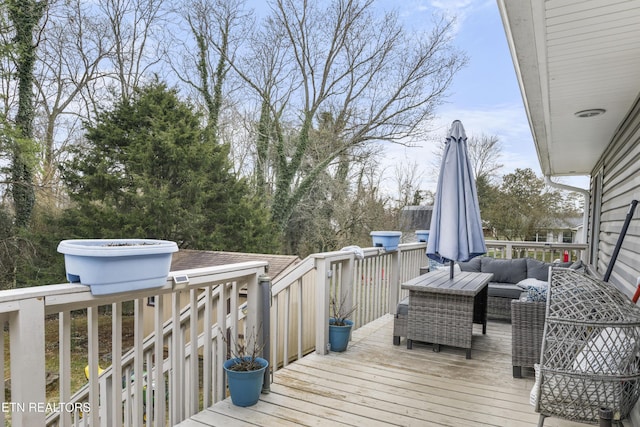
[505, 270]
[473, 265]
[609, 352]
[403, 307]
[537, 269]
[504, 290]
[540, 270]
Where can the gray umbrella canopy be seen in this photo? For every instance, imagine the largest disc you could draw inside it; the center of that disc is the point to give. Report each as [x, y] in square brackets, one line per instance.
[456, 228]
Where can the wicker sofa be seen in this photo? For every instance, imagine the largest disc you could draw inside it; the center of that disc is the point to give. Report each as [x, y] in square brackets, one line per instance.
[510, 277]
[527, 327]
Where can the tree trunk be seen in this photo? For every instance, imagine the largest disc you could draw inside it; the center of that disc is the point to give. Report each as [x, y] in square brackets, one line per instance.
[25, 15]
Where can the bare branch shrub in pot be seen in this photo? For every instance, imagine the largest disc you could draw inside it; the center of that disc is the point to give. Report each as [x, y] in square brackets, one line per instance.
[339, 313]
[244, 352]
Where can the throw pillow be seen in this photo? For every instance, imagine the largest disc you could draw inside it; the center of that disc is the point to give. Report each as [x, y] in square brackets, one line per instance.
[608, 352]
[524, 284]
[533, 396]
[578, 266]
[537, 293]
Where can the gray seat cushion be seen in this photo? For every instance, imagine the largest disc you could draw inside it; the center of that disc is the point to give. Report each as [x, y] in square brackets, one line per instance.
[540, 270]
[505, 270]
[537, 269]
[504, 290]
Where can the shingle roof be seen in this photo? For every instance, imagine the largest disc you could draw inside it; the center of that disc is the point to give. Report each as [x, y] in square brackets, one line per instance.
[188, 258]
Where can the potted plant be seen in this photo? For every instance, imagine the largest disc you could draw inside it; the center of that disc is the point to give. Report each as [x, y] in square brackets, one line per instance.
[117, 265]
[245, 371]
[339, 325]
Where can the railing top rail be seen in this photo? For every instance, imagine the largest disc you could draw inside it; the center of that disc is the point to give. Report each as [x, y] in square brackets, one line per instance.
[368, 252]
[308, 264]
[412, 246]
[296, 273]
[552, 245]
[70, 293]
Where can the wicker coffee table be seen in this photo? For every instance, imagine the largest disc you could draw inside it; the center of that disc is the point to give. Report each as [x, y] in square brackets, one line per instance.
[442, 311]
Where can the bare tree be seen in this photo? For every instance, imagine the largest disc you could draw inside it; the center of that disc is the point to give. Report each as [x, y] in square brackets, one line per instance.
[135, 27]
[484, 155]
[376, 81]
[69, 66]
[201, 61]
[407, 178]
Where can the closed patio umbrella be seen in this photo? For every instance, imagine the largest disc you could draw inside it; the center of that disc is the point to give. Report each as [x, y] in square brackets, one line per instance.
[456, 228]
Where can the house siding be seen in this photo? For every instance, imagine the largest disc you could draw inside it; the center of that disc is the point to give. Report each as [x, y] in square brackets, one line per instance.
[620, 168]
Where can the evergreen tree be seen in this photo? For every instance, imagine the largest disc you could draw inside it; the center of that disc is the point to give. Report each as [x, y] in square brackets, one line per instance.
[148, 169]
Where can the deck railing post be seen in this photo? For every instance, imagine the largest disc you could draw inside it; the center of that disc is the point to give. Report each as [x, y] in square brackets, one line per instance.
[322, 305]
[509, 251]
[254, 309]
[26, 334]
[347, 285]
[265, 298]
[394, 281]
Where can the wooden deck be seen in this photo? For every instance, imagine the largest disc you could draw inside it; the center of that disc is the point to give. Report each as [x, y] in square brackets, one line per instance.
[375, 383]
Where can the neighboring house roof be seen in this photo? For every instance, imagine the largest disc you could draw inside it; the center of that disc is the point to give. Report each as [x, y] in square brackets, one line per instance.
[186, 259]
[569, 223]
[572, 59]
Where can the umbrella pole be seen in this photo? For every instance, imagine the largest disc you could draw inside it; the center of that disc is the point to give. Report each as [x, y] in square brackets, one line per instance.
[451, 270]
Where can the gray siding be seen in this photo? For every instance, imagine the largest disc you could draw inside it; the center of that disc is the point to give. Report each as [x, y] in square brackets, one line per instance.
[620, 166]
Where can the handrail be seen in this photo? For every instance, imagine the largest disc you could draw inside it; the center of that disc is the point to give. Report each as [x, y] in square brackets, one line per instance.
[25, 311]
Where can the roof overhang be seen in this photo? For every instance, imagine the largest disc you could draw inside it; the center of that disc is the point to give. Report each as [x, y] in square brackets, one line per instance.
[571, 57]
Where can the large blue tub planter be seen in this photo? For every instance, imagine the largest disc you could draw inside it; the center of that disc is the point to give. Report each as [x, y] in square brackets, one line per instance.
[110, 266]
[389, 240]
[422, 235]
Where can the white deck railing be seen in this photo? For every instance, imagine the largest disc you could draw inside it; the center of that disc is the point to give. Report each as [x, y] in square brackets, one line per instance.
[179, 379]
[178, 376]
[542, 251]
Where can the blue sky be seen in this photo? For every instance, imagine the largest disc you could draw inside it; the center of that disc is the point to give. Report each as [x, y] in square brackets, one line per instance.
[485, 95]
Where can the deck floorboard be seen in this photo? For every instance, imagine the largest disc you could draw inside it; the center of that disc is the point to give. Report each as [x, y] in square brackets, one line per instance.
[375, 383]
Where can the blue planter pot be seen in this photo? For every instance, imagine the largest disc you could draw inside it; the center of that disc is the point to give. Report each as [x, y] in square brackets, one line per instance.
[245, 386]
[339, 335]
[422, 235]
[389, 240]
[117, 265]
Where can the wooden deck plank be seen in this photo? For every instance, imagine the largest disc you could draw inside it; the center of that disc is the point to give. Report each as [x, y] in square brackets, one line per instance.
[253, 415]
[375, 383]
[435, 399]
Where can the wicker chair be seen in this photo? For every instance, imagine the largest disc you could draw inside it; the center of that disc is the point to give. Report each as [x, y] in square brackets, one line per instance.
[527, 326]
[499, 308]
[590, 350]
[400, 321]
